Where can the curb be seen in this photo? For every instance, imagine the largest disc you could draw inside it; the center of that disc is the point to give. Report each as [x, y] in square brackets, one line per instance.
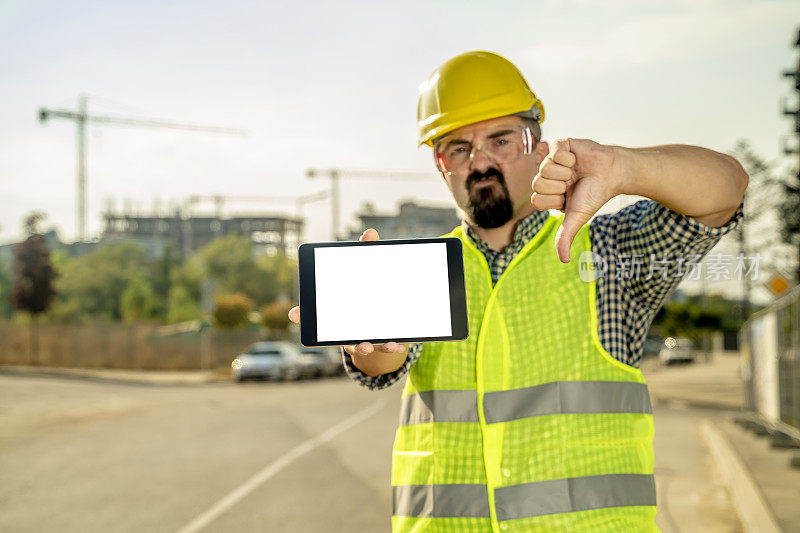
[129, 377]
[753, 510]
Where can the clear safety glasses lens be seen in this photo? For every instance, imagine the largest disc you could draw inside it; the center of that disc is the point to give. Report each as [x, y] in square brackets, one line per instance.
[454, 154]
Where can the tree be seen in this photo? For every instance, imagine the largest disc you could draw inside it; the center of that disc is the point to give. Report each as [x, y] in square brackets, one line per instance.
[281, 269]
[232, 310]
[5, 289]
[690, 319]
[770, 191]
[137, 301]
[189, 275]
[161, 276]
[274, 316]
[771, 223]
[30, 224]
[97, 280]
[706, 322]
[181, 306]
[32, 289]
[676, 319]
[230, 262]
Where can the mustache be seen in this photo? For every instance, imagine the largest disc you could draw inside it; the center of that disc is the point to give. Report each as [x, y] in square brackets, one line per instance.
[490, 172]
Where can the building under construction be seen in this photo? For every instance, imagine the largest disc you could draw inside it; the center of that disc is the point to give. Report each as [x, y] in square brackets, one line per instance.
[412, 221]
[188, 233]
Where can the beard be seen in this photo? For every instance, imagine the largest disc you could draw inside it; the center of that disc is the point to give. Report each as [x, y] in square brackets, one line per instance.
[489, 206]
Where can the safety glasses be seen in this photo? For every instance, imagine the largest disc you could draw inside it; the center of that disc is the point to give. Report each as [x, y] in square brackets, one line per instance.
[504, 144]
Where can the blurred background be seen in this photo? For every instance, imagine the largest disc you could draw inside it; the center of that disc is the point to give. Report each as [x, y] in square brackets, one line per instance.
[161, 163]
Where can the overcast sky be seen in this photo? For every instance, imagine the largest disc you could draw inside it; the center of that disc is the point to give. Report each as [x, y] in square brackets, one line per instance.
[334, 84]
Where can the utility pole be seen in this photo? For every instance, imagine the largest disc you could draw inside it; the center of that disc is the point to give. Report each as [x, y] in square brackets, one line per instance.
[300, 201]
[789, 150]
[80, 122]
[336, 174]
[82, 118]
[745, 279]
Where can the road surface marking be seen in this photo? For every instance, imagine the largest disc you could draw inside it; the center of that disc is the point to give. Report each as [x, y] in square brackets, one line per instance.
[279, 464]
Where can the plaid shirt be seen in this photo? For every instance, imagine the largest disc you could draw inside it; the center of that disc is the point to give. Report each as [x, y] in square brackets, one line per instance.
[626, 302]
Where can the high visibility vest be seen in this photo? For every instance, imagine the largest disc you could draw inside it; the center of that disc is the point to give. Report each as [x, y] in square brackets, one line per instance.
[529, 424]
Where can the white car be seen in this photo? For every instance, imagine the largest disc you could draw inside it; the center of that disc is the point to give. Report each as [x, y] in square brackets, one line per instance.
[278, 360]
[677, 350]
[321, 361]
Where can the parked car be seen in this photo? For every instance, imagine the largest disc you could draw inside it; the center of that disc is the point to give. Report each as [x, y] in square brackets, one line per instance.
[677, 350]
[320, 361]
[278, 360]
[652, 346]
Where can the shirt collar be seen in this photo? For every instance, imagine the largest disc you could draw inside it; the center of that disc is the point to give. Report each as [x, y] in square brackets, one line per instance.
[526, 229]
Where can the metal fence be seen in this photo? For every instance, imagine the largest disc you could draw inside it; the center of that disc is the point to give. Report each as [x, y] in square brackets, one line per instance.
[121, 346]
[770, 348]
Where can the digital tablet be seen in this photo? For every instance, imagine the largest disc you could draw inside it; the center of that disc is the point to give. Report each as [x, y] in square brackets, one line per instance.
[403, 290]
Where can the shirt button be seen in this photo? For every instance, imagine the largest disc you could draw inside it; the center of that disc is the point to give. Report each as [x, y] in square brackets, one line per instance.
[506, 472]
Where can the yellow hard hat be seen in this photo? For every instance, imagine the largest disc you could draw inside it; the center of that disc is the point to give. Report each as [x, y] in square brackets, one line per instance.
[471, 87]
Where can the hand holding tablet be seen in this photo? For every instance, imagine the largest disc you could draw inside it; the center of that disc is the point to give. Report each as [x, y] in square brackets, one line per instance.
[371, 296]
[364, 354]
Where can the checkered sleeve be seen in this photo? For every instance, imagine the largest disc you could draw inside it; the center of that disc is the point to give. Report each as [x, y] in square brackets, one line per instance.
[384, 380]
[664, 243]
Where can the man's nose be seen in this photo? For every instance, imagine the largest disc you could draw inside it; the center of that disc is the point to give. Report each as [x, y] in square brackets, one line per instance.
[479, 160]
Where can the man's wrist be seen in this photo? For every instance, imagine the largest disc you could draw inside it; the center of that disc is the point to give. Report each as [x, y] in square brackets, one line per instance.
[623, 170]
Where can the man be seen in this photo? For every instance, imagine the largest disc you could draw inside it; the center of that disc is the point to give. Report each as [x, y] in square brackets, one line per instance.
[541, 420]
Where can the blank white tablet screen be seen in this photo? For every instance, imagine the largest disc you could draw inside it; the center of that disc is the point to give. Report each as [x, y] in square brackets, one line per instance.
[382, 291]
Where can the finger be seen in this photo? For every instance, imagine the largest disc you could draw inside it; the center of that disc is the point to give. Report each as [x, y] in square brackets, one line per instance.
[364, 348]
[547, 201]
[294, 314]
[390, 347]
[543, 185]
[553, 171]
[561, 153]
[565, 158]
[573, 220]
[370, 234]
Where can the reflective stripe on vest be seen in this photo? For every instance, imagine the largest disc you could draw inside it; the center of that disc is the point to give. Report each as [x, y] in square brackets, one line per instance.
[526, 499]
[574, 494]
[440, 500]
[439, 406]
[557, 398]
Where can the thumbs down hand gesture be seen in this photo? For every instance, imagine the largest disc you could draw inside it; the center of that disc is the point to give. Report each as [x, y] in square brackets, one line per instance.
[577, 177]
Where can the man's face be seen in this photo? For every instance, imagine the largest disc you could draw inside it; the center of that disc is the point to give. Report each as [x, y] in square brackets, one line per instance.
[492, 193]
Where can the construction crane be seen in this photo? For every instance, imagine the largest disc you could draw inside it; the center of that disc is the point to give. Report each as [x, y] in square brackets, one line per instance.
[335, 174]
[81, 117]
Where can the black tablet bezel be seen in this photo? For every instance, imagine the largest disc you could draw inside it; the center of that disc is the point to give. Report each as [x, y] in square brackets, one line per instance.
[308, 304]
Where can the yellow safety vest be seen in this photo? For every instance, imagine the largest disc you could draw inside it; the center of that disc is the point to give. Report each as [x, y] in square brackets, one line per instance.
[529, 424]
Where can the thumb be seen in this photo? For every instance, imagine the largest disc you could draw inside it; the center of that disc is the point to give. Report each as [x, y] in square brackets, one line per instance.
[572, 222]
[370, 234]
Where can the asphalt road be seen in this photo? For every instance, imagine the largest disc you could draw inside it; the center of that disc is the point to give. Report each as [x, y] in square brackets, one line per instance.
[87, 456]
